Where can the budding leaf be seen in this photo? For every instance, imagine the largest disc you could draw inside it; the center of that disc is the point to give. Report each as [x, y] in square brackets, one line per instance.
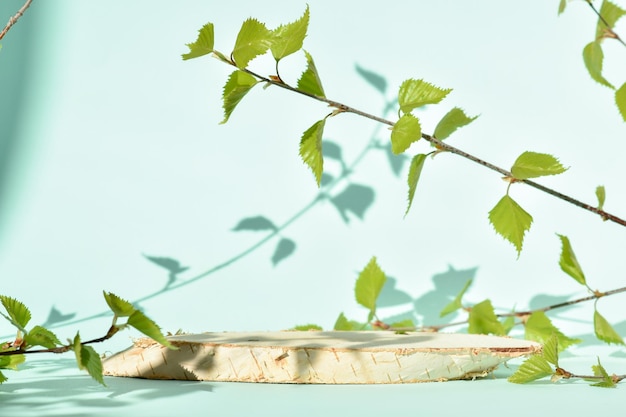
[415, 170]
[455, 304]
[604, 331]
[539, 328]
[453, 120]
[311, 149]
[119, 306]
[620, 100]
[19, 314]
[369, 284]
[510, 221]
[611, 13]
[146, 326]
[417, 93]
[289, 38]
[253, 39]
[568, 262]
[594, 57]
[533, 368]
[483, 320]
[238, 85]
[40, 336]
[203, 45]
[601, 194]
[533, 164]
[607, 381]
[309, 81]
[406, 131]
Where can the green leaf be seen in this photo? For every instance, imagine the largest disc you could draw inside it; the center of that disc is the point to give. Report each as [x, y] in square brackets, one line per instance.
[375, 80]
[562, 5]
[453, 120]
[594, 57]
[604, 331]
[533, 368]
[539, 328]
[533, 165]
[415, 170]
[119, 306]
[2, 377]
[568, 262]
[289, 38]
[607, 381]
[611, 14]
[601, 194]
[40, 336]
[11, 361]
[510, 221]
[406, 131]
[238, 85]
[146, 326]
[307, 327]
[403, 324]
[369, 284]
[550, 350]
[483, 320]
[508, 324]
[90, 360]
[620, 100]
[342, 323]
[309, 81]
[456, 304]
[311, 149]
[254, 39]
[417, 93]
[19, 314]
[203, 45]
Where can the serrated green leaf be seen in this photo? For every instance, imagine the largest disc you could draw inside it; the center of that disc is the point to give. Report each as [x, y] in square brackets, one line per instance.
[289, 38]
[148, 327]
[456, 304]
[11, 361]
[449, 123]
[415, 170]
[90, 360]
[18, 313]
[601, 195]
[611, 13]
[607, 381]
[119, 306]
[307, 327]
[238, 85]
[604, 331]
[533, 165]
[510, 221]
[417, 93]
[369, 284]
[254, 39]
[406, 131]
[40, 336]
[562, 5]
[533, 368]
[620, 100]
[594, 57]
[483, 320]
[568, 262]
[342, 323]
[539, 328]
[311, 149]
[309, 81]
[550, 349]
[375, 80]
[203, 45]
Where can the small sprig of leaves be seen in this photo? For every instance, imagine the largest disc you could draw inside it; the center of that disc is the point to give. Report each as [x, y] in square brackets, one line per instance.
[14, 352]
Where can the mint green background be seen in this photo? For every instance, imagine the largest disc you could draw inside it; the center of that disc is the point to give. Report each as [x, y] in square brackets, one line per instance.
[110, 151]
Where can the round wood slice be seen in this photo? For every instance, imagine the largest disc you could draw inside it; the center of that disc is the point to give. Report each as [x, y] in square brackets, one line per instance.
[318, 357]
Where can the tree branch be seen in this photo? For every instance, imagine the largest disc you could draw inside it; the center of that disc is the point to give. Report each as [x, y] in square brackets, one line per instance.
[13, 19]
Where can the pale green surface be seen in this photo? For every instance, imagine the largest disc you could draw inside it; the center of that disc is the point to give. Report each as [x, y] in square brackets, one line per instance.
[118, 153]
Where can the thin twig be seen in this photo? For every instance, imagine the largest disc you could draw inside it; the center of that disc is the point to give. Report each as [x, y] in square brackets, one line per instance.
[611, 32]
[15, 18]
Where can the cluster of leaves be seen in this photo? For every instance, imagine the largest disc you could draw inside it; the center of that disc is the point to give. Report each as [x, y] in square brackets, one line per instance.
[14, 352]
[593, 56]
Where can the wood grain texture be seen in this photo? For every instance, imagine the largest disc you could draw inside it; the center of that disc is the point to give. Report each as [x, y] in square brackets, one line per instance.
[317, 357]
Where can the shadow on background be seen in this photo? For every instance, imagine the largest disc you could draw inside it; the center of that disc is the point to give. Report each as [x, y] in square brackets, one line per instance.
[15, 59]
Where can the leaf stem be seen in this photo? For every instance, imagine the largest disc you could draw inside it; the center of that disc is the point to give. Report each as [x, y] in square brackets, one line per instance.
[13, 19]
[610, 31]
